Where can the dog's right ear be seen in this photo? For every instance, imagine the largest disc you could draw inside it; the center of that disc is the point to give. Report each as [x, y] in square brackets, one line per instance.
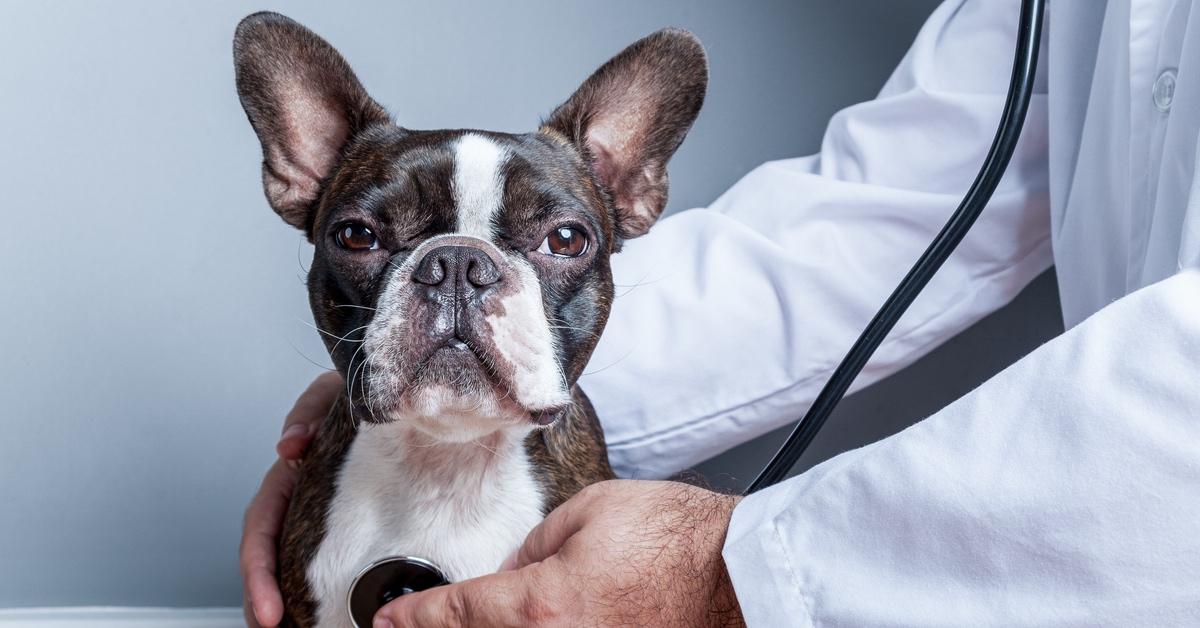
[304, 103]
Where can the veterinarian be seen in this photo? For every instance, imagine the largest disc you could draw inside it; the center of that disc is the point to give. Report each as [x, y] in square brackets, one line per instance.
[1066, 490]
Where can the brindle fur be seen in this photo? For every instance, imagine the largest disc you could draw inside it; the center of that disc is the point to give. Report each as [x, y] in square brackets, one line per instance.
[570, 454]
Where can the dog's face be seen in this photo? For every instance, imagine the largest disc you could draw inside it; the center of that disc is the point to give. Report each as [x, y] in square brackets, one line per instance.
[461, 278]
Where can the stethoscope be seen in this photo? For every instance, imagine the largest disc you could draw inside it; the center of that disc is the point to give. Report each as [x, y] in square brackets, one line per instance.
[387, 579]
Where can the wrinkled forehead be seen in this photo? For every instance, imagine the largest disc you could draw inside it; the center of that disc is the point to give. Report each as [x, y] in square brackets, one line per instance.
[477, 183]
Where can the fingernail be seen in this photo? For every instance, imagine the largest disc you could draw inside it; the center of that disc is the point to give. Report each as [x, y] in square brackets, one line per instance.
[295, 430]
[294, 465]
[381, 623]
[509, 563]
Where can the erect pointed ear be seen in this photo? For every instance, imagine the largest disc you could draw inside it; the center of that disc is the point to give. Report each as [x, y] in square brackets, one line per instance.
[304, 103]
[630, 116]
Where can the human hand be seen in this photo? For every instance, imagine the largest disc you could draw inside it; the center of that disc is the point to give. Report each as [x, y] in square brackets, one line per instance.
[622, 552]
[262, 603]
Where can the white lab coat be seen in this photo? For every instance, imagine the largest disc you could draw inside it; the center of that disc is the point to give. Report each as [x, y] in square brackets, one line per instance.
[1064, 491]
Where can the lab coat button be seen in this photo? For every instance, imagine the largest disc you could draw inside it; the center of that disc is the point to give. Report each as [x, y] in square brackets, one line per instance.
[1164, 90]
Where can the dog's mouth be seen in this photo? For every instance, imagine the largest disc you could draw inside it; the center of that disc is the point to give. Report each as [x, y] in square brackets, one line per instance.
[457, 386]
[461, 359]
[457, 363]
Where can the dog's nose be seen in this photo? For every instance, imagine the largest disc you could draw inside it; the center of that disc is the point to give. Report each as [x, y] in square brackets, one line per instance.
[465, 267]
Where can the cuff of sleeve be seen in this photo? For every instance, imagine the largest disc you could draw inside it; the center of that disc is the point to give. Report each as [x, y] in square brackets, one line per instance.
[759, 563]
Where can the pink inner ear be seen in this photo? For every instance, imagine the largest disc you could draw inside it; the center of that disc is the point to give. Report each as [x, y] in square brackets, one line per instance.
[618, 136]
[314, 133]
[619, 128]
[602, 162]
[637, 185]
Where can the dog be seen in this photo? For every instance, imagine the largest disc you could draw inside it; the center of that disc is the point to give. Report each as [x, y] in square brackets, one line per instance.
[460, 280]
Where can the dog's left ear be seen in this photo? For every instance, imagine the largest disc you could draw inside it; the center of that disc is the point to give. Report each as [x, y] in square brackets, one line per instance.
[629, 117]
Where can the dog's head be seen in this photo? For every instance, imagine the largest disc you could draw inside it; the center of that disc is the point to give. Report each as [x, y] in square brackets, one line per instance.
[461, 278]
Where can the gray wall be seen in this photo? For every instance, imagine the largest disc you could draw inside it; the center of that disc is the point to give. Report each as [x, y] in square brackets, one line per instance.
[153, 325]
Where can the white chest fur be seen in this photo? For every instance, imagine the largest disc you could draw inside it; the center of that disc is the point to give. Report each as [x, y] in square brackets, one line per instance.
[466, 507]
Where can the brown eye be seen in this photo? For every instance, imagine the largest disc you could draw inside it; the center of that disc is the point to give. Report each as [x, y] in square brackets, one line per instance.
[564, 242]
[357, 237]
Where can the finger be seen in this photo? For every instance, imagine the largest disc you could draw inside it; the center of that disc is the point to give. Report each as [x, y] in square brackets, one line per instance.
[264, 520]
[310, 409]
[265, 601]
[248, 614]
[545, 539]
[492, 601]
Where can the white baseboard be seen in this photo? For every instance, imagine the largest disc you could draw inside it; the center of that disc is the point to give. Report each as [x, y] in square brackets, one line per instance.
[120, 617]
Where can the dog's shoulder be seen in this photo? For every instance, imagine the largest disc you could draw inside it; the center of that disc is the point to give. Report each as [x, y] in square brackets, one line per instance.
[570, 454]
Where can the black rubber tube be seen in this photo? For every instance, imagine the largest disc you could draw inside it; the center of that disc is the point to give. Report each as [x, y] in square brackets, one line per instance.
[1016, 105]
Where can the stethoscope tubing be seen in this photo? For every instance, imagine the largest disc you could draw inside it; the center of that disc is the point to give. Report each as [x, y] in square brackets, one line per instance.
[1016, 105]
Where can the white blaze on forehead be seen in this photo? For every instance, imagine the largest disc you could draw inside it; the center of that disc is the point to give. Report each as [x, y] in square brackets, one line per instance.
[478, 185]
[522, 337]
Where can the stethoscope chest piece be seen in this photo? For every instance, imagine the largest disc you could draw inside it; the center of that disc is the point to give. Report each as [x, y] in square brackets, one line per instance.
[387, 579]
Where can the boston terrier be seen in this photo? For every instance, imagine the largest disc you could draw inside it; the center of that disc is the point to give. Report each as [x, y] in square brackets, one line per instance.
[460, 281]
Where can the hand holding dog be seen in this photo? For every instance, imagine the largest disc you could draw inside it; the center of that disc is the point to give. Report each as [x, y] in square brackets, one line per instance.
[621, 552]
[263, 604]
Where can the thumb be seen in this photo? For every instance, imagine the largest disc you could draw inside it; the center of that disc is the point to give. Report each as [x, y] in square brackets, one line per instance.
[492, 600]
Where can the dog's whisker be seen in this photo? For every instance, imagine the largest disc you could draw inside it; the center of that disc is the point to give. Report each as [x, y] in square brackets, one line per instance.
[299, 259]
[362, 341]
[610, 365]
[340, 339]
[578, 329]
[556, 323]
[350, 378]
[633, 286]
[312, 361]
[333, 335]
[362, 388]
[369, 390]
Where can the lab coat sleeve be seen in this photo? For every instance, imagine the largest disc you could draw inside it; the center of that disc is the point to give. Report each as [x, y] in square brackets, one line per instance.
[1061, 492]
[728, 319]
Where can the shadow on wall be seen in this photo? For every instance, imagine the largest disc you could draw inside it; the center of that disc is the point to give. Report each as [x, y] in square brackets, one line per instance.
[945, 374]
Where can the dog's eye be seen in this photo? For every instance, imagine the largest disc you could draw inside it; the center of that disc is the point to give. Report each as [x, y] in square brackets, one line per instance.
[357, 237]
[564, 242]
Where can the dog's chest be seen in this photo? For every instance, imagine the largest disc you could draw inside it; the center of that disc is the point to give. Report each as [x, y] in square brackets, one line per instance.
[465, 510]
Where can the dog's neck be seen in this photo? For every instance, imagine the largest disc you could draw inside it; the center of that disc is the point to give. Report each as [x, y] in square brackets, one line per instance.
[436, 469]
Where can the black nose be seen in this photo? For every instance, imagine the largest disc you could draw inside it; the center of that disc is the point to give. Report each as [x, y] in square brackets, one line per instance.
[463, 267]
